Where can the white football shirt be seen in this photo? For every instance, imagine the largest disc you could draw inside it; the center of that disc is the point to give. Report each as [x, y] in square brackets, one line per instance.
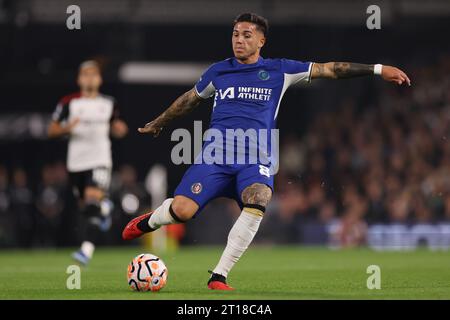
[89, 142]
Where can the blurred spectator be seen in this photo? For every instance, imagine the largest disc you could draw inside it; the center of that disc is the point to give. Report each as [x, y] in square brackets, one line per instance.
[5, 212]
[128, 192]
[22, 208]
[129, 197]
[50, 203]
[287, 209]
[447, 208]
[352, 231]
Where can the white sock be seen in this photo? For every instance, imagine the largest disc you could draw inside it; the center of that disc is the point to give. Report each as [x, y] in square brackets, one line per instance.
[239, 238]
[162, 216]
[87, 248]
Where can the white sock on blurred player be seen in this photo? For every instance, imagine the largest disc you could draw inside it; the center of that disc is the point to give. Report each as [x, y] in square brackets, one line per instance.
[162, 216]
[239, 238]
[88, 248]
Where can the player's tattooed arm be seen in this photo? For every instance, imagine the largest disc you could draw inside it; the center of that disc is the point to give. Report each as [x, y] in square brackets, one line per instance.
[338, 70]
[342, 70]
[257, 193]
[181, 106]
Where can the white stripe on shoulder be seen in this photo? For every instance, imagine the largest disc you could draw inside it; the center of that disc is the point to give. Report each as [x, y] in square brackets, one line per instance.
[207, 92]
[286, 83]
[310, 71]
[294, 78]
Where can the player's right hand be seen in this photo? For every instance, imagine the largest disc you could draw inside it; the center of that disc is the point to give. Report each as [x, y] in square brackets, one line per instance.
[151, 128]
[72, 124]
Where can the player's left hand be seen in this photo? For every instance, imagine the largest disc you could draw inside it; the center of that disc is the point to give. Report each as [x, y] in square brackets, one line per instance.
[119, 129]
[394, 74]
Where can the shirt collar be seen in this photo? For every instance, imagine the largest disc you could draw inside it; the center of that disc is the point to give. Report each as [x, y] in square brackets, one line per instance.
[243, 65]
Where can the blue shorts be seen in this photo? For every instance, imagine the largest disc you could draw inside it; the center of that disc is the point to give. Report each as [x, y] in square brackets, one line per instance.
[204, 182]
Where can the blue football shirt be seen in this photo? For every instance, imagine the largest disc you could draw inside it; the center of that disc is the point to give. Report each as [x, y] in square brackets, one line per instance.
[248, 96]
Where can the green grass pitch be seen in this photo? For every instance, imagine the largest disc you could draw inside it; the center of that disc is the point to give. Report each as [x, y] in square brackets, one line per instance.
[263, 273]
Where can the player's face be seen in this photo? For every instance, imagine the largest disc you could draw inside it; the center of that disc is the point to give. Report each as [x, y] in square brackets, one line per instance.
[89, 79]
[247, 40]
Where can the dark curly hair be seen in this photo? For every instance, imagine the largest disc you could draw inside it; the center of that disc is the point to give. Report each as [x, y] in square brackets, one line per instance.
[261, 23]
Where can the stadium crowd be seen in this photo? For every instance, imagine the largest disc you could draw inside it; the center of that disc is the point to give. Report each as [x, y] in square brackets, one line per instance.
[386, 163]
[355, 166]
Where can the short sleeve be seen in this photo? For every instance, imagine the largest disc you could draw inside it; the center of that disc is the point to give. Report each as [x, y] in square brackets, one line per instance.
[204, 87]
[61, 112]
[115, 114]
[296, 71]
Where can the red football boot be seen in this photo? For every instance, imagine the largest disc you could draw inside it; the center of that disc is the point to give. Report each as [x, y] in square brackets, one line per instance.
[218, 282]
[135, 229]
[217, 285]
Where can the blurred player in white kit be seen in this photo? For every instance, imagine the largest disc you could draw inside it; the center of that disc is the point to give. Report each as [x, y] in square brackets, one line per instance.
[88, 118]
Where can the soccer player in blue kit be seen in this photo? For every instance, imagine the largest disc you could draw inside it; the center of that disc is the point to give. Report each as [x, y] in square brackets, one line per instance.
[248, 90]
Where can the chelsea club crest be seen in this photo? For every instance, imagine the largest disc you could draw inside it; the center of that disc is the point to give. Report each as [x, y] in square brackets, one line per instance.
[263, 75]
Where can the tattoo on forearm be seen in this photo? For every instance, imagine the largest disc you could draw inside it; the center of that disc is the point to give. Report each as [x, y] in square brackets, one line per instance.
[181, 106]
[257, 193]
[320, 69]
[349, 69]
